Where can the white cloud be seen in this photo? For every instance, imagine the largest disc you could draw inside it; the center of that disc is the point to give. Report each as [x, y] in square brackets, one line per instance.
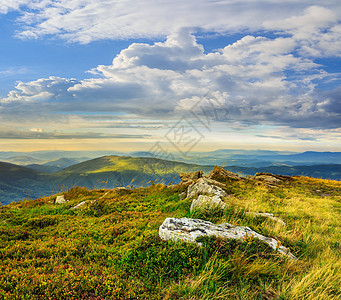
[85, 20]
[316, 32]
[8, 5]
[12, 71]
[42, 89]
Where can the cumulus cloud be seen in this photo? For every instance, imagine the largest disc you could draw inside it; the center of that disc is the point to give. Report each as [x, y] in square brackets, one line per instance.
[85, 20]
[42, 89]
[257, 79]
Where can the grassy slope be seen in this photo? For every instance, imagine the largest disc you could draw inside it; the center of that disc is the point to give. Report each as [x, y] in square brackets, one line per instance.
[146, 165]
[110, 248]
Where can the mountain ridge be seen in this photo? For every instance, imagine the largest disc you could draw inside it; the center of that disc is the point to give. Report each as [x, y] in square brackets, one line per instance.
[18, 182]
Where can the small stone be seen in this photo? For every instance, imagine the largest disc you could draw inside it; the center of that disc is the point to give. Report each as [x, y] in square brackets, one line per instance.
[186, 177]
[60, 199]
[268, 178]
[221, 174]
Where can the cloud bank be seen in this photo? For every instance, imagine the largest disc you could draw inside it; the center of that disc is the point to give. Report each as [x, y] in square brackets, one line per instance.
[86, 20]
[258, 79]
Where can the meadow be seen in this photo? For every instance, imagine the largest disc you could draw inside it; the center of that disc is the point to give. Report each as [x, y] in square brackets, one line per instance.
[110, 249]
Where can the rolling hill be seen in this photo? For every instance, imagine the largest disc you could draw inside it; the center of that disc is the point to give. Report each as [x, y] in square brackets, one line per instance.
[18, 182]
[112, 171]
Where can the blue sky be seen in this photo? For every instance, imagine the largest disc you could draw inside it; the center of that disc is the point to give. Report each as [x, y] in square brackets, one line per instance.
[127, 75]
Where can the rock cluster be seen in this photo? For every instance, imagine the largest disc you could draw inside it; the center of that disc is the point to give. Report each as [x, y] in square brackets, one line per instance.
[188, 230]
[208, 193]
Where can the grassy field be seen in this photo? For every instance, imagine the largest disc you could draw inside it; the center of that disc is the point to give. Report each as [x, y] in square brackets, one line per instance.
[110, 249]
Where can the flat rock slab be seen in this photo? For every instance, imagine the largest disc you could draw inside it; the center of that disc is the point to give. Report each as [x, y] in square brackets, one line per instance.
[79, 205]
[268, 178]
[188, 230]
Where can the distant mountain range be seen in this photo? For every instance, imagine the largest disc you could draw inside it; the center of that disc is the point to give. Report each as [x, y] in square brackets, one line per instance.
[55, 165]
[263, 158]
[40, 179]
[44, 166]
[228, 157]
[22, 160]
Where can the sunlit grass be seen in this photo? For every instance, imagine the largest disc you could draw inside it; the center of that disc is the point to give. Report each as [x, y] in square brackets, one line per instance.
[109, 248]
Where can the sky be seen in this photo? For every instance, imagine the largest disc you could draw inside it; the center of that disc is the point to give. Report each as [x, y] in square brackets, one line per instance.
[170, 76]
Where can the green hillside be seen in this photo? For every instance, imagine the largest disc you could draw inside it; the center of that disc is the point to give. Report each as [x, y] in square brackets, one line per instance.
[112, 171]
[110, 249]
[146, 165]
[18, 182]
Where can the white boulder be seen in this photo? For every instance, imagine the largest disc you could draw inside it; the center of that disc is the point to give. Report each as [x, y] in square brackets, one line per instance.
[188, 230]
[60, 199]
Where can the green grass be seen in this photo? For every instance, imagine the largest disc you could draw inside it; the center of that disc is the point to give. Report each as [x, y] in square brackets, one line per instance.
[110, 249]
